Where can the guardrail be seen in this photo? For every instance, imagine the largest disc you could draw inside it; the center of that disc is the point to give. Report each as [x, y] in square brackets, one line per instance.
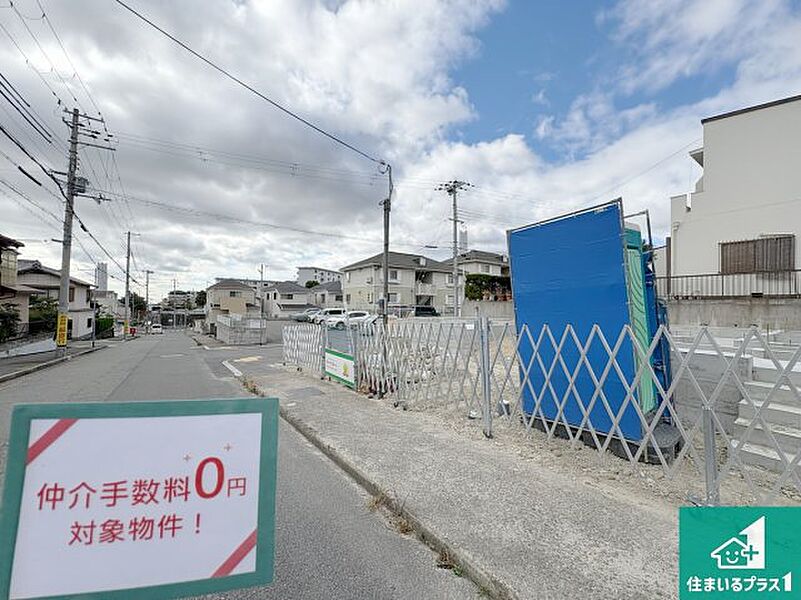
[779, 284]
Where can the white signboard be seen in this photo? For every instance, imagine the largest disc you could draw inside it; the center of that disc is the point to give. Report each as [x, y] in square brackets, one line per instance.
[112, 503]
[340, 366]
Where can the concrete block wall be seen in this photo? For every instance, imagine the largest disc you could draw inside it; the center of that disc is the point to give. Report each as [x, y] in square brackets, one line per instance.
[767, 313]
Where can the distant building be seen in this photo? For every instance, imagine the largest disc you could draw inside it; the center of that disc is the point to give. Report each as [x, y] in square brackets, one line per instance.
[286, 297]
[45, 281]
[481, 262]
[101, 276]
[180, 299]
[414, 280]
[227, 297]
[11, 290]
[327, 295]
[318, 274]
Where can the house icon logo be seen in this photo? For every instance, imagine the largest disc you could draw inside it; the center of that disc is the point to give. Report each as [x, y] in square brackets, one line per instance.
[743, 551]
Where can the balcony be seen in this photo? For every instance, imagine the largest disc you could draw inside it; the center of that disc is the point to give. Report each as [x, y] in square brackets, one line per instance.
[778, 284]
[425, 289]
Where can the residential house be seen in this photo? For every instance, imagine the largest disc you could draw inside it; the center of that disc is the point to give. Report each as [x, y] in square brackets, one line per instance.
[743, 215]
[481, 262]
[318, 274]
[286, 297]
[414, 280]
[736, 234]
[45, 281]
[229, 297]
[328, 295]
[11, 291]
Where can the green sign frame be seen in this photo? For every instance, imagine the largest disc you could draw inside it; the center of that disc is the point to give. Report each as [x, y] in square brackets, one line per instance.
[336, 377]
[21, 419]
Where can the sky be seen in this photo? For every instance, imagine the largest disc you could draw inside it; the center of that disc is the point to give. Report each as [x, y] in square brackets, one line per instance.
[544, 107]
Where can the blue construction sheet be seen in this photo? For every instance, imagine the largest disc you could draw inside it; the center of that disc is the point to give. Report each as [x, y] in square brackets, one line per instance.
[571, 271]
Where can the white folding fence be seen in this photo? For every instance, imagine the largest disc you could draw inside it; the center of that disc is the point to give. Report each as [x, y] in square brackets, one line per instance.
[728, 418]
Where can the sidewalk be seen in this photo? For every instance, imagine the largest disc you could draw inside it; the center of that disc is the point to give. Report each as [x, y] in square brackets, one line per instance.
[519, 529]
[30, 362]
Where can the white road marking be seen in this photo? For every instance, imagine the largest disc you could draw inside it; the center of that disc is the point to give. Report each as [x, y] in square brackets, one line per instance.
[232, 368]
[247, 359]
[171, 355]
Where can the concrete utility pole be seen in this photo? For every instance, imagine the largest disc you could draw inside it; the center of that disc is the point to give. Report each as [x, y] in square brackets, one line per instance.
[147, 298]
[174, 312]
[66, 241]
[126, 322]
[261, 304]
[452, 188]
[387, 203]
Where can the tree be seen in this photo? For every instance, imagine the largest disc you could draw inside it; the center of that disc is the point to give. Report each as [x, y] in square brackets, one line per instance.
[479, 286]
[200, 299]
[9, 321]
[312, 283]
[43, 312]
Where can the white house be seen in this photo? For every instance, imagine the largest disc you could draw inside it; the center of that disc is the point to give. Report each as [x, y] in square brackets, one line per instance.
[318, 274]
[46, 282]
[327, 295]
[481, 262]
[286, 297]
[744, 216]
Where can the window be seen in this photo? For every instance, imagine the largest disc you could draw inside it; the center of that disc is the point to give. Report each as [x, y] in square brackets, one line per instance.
[393, 298]
[87, 295]
[347, 297]
[449, 279]
[369, 296]
[288, 296]
[338, 298]
[72, 294]
[234, 294]
[347, 276]
[393, 275]
[449, 300]
[485, 268]
[763, 255]
[89, 323]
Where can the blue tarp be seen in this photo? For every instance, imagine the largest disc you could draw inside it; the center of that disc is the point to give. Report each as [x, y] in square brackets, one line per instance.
[571, 270]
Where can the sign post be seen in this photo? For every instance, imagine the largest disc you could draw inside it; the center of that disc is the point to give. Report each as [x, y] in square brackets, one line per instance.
[61, 329]
[139, 500]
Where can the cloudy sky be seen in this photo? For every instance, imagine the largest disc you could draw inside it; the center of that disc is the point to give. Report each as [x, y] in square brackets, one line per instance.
[543, 106]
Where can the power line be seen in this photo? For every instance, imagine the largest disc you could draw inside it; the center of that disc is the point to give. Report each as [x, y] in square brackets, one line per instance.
[251, 89]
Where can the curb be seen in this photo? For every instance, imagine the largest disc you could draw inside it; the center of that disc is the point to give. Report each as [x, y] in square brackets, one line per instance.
[469, 567]
[49, 363]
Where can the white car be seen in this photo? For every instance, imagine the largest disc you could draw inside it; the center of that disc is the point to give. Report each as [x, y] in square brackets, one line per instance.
[155, 328]
[353, 318]
[323, 315]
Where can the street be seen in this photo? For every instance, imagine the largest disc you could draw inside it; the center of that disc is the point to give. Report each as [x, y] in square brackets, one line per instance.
[328, 543]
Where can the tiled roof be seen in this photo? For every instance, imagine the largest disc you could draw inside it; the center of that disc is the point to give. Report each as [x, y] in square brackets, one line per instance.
[401, 260]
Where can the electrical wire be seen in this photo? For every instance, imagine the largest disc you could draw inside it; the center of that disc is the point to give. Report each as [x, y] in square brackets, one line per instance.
[251, 89]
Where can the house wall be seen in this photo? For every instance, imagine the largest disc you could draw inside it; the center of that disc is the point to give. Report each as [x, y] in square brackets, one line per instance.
[80, 311]
[750, 186]
[478, 267]
[8, 267]
[315, 274]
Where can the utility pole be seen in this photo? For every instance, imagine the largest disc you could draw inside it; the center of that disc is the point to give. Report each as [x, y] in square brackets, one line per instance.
[66, 241]
[174, 313]
[126, 322]
[452, 188]
[261, 304]
[387, 204]
[147, 298]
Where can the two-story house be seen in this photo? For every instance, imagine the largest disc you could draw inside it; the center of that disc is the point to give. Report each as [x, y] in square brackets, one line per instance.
[45, 281]
[286, 297]
[481, 262]
[227, 297]
[414, 280]
[328, 295]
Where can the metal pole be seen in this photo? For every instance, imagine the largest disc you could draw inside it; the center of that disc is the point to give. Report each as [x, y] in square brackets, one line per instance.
[710, 459]
[126, 323]
[94, 323]
[486, 389]
[66, 240]
[148, 318]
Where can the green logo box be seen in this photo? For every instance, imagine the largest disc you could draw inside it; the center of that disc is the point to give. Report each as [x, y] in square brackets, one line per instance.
[739, 552]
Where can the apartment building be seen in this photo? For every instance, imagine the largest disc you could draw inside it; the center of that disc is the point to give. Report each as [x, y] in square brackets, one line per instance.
[318, 274]
[481, 262]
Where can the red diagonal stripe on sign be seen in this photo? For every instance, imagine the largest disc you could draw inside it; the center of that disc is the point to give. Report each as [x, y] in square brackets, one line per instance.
[236, 557]
[49, 436]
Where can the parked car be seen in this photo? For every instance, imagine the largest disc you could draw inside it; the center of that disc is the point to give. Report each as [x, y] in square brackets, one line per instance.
[156, 328]
[325, 313]
[304, 316]
[425, 311]
[352, 318]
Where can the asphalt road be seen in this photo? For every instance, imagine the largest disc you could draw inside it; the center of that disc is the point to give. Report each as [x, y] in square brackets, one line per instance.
[328, 543]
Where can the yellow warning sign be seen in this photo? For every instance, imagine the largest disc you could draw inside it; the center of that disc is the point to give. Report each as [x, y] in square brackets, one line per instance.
[61, 330]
